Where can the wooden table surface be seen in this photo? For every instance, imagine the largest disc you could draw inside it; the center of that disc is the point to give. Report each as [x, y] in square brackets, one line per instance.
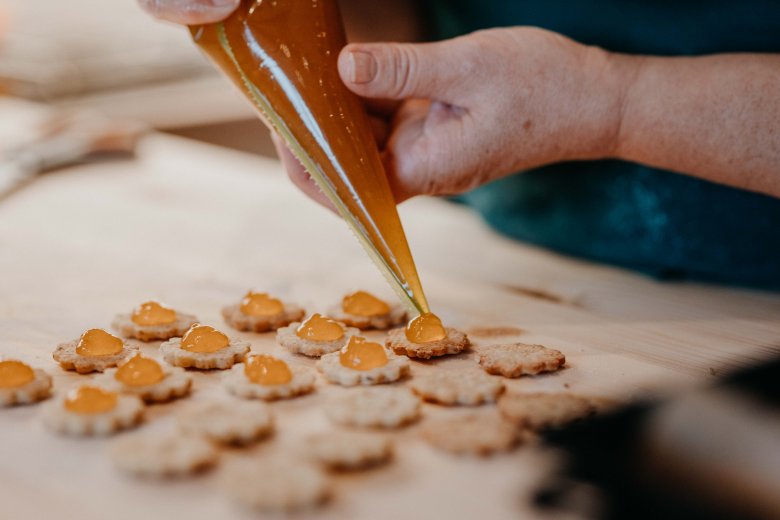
[196, 226]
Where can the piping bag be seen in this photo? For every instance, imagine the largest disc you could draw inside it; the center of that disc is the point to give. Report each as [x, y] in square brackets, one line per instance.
[283, 55]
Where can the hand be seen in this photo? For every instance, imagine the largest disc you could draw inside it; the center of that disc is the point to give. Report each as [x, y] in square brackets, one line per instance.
[190, 12]
[479, 107]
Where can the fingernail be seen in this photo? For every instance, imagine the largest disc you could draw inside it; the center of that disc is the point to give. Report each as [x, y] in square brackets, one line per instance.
[363, 67]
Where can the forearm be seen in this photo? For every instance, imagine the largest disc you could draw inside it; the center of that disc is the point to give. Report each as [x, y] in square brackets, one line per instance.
[715, 117]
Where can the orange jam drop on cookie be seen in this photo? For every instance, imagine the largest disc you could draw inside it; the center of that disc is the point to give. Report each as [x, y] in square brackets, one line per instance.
[425, 328]
[204, 339]
[267, 370]
[361, 303]
[140, 371]
[14, 374]
[320, 328]
[260, 304]
[150, 314]
[97, 342]
[360, 354]
[90, 400]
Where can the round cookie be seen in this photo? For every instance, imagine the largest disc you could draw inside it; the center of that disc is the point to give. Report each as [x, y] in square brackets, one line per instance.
[129, 329]
[176, 383]
[330, 365]
[236, 382]
[220, 360]
[476, 434]
[517, 359]
[458, 387]
[538, 411]
[234, 317]
[374, 408]
[36, 389]
[227, 422]
[69, 359]
[287, 338]
[396, 316]
[151, 454]
[349, 450]
[455, 342]
[276, 484]
[127, 413]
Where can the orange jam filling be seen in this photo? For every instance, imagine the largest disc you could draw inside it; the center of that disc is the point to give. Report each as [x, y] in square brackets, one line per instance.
[204, 339]
[14, 374]
[267, 370]
[153, 313]
[320, 328]
[360, 354]
[260, 304]
[97, 342]
[90, 400]
[425, 328]
[361, 303]
[140, 371]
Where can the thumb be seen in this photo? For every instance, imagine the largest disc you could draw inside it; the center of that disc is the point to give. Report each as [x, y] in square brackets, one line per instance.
[402, 70]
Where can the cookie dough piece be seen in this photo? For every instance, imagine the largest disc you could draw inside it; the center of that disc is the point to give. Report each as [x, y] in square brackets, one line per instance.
[289, 339]
[149, 454]
[517, 359]
[22, 384]
[334, 371]
[276, 484]
[455, 343]
[237, 382]
[258, 312]
[152, 321]
[232, 422]
[95, 351]
[365, 311]
[476, 434]
[349, 450]
[537, 411]
[374, 408]
[92, 410]
[148, 379]
[458, 387]
[178, 353]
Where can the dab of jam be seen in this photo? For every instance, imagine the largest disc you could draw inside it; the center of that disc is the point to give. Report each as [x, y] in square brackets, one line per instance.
[204, 339]
[90, 400]
[260, 304]
[97, 342]
[361, 303]
[267, 370]
[140, 371]
[14, 374]
[360, 354]
[153, 313]
[320, 328]
[425, 328]
[283, 55]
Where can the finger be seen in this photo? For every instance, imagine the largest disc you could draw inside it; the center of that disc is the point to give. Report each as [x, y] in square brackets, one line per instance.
[298, 175]
[190, 12]
[403, 70]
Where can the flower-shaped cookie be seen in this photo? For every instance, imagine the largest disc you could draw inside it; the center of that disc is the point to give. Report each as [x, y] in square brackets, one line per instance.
[22, 384]
[365, 311]
[205, 348]
[363, 362]
[268, 378]
[92, 410]
[227, 422]
[454, 343]
[152, 321]
[259, 312]
[95, 351]
[170, 454]
[380, 407]
[349, 450]
[148, 379]
[315, 337]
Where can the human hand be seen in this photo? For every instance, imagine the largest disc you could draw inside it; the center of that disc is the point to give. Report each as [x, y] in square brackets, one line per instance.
[190, 12]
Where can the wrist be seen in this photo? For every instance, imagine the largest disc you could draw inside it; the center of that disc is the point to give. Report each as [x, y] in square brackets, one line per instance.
[621, 75]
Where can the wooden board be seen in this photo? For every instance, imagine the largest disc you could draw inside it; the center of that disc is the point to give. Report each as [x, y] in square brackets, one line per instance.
[196, 226]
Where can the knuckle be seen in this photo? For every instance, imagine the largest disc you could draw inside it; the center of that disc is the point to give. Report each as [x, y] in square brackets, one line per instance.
[404, 65]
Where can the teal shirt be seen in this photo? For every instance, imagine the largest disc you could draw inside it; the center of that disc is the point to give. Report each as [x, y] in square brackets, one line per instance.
[658, 222]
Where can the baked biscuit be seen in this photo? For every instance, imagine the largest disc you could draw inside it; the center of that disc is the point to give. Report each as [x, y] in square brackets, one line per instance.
[175, 351]
[258, 312]
[237, 381]
[151, 381]
[349, 450]
[475, 434]
[336, 372]
[455, 343]
[538, 411]
[22, 384]
[92, 410]
[151, 454]
[517, 359]
[289, 339]
[152, 321]
[75, 355]
[233, 422]
[374, 408]
[458, 387]
[365, 311]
